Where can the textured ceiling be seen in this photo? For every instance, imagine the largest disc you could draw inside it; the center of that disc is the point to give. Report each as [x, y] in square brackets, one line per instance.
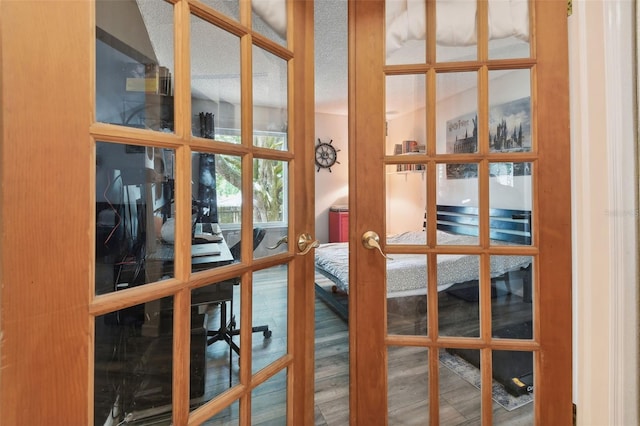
[218, 80]
[214, 79]
[331, 56]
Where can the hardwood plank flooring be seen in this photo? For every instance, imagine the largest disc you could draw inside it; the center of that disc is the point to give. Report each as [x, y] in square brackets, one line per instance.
[407, 371]
[408, 380]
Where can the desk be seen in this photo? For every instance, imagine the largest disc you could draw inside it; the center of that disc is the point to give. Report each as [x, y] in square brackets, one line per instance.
[160, 256]
[165, 253]
[148, 360]
[161, 260]
[199, 263]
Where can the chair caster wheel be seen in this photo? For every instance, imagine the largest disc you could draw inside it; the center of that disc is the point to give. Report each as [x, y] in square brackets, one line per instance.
[266, 334]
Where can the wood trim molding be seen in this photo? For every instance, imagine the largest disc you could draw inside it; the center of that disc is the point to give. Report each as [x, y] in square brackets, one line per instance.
[623, 217]
[604, 243]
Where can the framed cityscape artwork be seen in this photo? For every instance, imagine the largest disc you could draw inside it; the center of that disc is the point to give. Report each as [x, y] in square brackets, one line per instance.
[509, 131]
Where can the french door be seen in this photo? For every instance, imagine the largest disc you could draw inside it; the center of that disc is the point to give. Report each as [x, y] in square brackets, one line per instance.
[52, 138]
[471, 163]
[172, 137]
[221, 141]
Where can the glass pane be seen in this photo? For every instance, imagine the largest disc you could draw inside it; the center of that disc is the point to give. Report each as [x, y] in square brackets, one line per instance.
[408, 385]
[508, 29]
[512, 387]
[406, 198]
[405, 32]
[229, 416]
[134, 193]
[406, 114]
[269, 18]
[270, 209]
[461, 381]
[215, 84]
[457, 199]
[269, 401]
[270, 190]
[457, 113]
[270, 109]
[456, 35]
[510, 111]
[460, 398]
[134, 64]
[407, 294]
[215, 308]
[215, 190]
[458, 295]
[269, 316]
[228, 191]
[270, 140]
[133, 369]
[229, 8]
[510, 198]
[511, 291]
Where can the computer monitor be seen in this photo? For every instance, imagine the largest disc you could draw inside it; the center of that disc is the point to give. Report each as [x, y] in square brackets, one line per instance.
[204, 188]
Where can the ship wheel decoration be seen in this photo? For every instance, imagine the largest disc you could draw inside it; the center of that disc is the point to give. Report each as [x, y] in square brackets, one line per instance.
[326, 155]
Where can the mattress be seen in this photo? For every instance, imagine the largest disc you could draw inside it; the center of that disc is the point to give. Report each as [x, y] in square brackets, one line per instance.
[407, 273]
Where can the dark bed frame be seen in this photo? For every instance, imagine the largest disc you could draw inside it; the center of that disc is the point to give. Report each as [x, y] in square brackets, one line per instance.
[508, 225]
[512, 226]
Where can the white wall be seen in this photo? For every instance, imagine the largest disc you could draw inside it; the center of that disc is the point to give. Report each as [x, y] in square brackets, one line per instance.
[604, 212]
[331, 187]
[406, 191]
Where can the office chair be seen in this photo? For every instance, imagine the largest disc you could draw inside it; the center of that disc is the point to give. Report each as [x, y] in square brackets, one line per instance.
[228, 330]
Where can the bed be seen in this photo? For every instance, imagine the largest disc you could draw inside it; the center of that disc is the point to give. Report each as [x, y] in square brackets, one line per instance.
[406, 274]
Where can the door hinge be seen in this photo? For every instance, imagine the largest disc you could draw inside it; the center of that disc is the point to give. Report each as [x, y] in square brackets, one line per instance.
[575, 412]
[569, 7]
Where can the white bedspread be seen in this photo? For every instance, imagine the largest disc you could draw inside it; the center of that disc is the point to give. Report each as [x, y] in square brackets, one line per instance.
[407, 274]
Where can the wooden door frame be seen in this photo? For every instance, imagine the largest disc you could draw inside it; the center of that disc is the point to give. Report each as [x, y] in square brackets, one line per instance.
[367, 349]
[47, 243]
[303, 112]
[554, 206]
[47, 237]
[552, 200]
[604, 64]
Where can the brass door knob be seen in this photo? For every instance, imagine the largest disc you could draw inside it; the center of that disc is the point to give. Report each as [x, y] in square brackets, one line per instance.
[281, 241]
[371, 240]
[306, 243]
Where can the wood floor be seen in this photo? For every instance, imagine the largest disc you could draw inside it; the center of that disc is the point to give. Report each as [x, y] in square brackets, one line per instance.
[407, 368]
[407, 371]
